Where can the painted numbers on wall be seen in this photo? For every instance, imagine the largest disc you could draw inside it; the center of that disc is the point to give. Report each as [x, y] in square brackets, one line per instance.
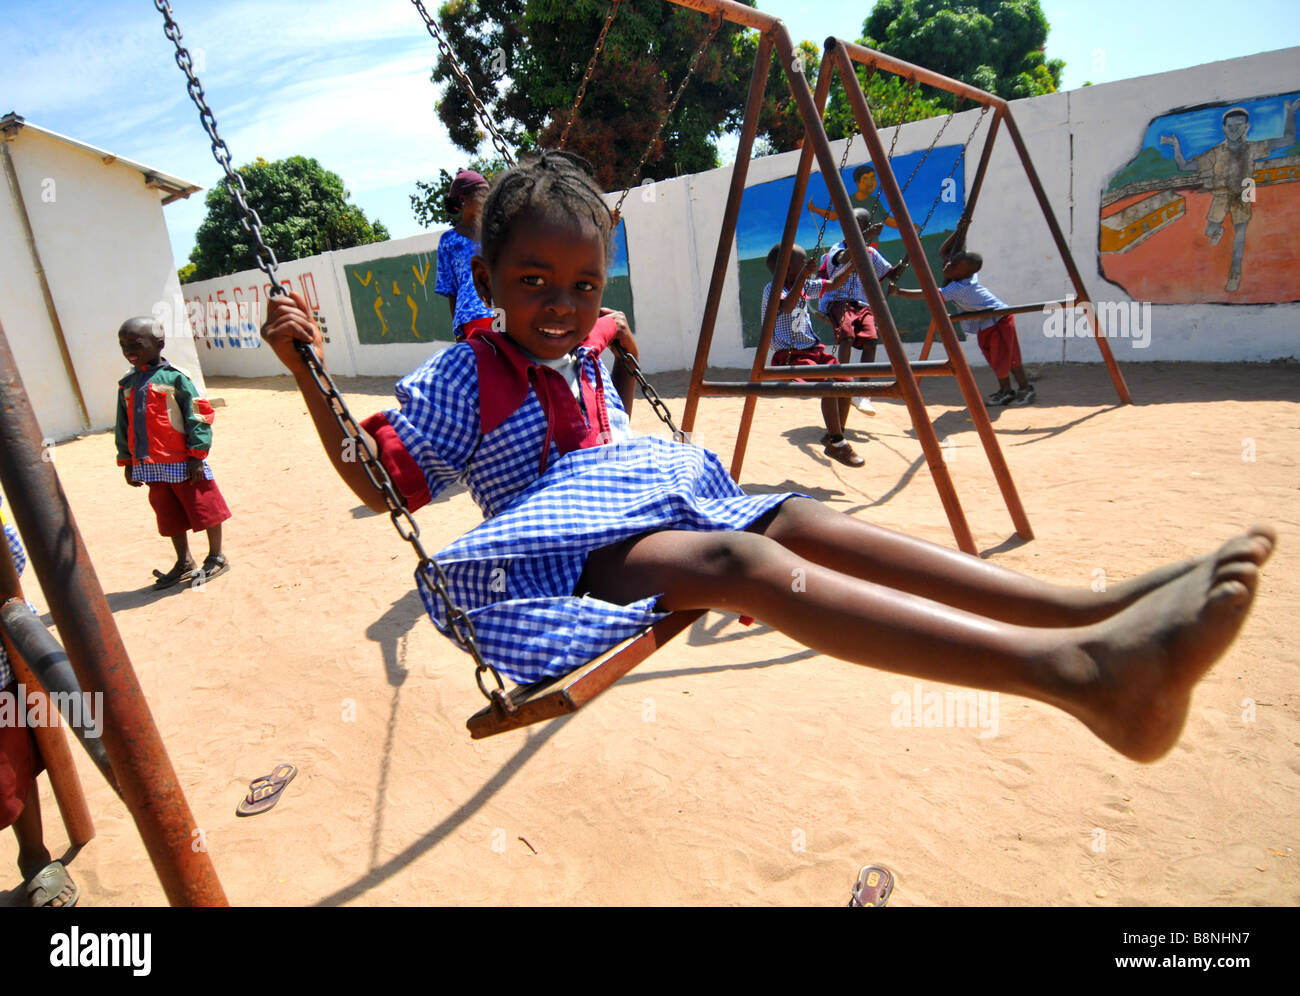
[233, 319]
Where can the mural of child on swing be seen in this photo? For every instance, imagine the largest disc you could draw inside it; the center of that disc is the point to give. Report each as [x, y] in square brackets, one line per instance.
[937, 189]
[1230, 164]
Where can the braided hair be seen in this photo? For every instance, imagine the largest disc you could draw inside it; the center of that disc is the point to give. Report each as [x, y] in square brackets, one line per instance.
[547, 184]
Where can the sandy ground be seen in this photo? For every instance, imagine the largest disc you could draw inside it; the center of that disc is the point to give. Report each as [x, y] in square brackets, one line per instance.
[734, 767]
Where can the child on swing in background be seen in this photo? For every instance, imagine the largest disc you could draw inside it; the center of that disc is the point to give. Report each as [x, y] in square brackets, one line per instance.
[997, 336]
[846, 307]
[591, 533]
[796, 345]
[456, 248]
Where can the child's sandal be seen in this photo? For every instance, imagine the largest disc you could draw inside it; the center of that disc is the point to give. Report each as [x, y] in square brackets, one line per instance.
[213, 567]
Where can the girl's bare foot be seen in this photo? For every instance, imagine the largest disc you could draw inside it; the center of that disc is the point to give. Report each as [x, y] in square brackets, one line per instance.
[1130, 677]
[1254, 545]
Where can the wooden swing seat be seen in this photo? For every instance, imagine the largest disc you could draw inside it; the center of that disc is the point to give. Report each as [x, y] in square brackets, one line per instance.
[568, 693]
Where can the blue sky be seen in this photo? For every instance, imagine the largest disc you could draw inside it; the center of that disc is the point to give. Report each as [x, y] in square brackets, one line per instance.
[348, 82]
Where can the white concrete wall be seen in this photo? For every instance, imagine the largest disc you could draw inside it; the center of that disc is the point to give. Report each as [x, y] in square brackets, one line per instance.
[1077, 141]
[103, 242]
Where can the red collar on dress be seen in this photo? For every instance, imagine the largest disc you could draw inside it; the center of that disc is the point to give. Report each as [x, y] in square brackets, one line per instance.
[506, 373]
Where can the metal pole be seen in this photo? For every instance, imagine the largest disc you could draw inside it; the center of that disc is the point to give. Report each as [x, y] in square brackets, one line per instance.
[985, 156]
[888, 332]
[938, 311]
[727, 236]
[62, 566]
[870, 57]
[1116, 377]
[792, 216]
[53, 746]
[737, 13]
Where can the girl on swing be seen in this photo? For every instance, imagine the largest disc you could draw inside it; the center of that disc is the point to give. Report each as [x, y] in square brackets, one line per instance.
[591, 530]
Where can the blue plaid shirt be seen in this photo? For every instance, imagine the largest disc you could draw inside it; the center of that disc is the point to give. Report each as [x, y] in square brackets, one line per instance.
[165, 473]
[794, 330]
[971, 295]
[851, 289]
[517, 572]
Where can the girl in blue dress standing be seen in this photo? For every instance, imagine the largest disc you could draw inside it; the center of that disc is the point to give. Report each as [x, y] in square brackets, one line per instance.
[458, 245]
[591, 531]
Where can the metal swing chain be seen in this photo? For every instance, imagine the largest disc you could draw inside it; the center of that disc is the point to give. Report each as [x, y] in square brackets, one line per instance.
[458, 621]
[591, 68]
[484, 118]
[956, 162]
[651, 395]
[715, 22]
[926, 155]
[909, 91]
[844, 161]
[906, 261]
[264, 256]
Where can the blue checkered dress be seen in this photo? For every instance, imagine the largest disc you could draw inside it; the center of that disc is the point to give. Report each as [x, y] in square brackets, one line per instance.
[516, 573]
[166, 473]
[851, 289]
[795, 329]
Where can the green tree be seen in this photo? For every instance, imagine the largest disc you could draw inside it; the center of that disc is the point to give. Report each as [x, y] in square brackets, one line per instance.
[780, 128]
[427, 201]
[996, 45]
[527, 60]
[186, 273]
[304, 210]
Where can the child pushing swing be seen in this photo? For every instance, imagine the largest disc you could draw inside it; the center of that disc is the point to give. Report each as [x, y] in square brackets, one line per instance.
[596, 530]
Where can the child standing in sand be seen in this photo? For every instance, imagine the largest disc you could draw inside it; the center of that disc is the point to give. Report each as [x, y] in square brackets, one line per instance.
[591, 533]
[164, 432]
[456, 248]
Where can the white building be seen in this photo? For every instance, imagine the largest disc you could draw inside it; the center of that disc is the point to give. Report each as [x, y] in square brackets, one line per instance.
[83, 246]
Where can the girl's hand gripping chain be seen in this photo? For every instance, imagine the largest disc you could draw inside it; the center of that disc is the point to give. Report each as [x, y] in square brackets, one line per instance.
[288, 323]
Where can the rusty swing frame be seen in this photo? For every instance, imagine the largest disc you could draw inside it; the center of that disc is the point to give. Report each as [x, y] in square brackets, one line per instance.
[841, 59]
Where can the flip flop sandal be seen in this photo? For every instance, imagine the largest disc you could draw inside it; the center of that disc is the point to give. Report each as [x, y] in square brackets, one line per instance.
[48, 883]
[264, 792]
[172, 578]
[873, 887]
[220, 566]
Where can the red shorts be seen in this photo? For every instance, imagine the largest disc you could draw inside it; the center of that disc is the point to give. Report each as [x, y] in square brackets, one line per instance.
[182, 507]
[1000, 346]
[812, 356]
[853, 322]
[20, 763]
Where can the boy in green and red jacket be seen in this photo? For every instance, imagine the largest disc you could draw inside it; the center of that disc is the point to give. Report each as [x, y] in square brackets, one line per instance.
[164, 432]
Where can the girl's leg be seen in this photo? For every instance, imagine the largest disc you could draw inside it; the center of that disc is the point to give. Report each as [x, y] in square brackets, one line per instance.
[850, 546]
[1129, 678]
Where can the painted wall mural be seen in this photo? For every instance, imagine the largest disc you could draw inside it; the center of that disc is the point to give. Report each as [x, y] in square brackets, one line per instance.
[393, 299]
[936, 190]
[1208, 209]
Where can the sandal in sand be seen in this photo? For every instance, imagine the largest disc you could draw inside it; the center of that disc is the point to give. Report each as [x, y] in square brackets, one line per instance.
[48, 884]
[873, 887]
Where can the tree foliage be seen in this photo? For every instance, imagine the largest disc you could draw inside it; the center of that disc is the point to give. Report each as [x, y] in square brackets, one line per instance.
[527, 60]
[304, 210]
[427, 201]
[996, 45]
[891, 103]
